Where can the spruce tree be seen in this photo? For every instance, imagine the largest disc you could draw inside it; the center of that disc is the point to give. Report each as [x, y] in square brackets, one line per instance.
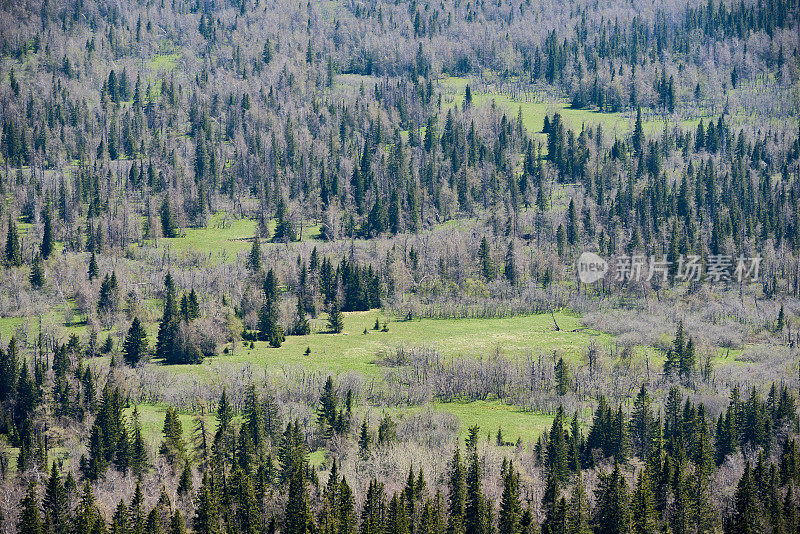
[612, 514]
[486, 262]
[37, 273]
[206, 515]
[475, 511]
[335, 318]
[254, 259]
[510, 506]
[747, 515]
[135, 346]
[13, 250]
[457, 494]
[643, 511]
[638, 134]
[298, 513]
[269, 329]
[173, 447]
[578, 515]
[29, 521]
[167, 221]
[55, 504]
[510, 271]
[46, 248]
[93, 271]
[563, 378]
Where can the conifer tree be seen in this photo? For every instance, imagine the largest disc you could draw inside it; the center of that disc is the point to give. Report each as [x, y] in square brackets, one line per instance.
[347, 517]
[563, 378]
[457, 494]
[167, 221]
[93, 272]
[298, 513]
[173, 447]
[578, 516]
[37, 273]
[638, 134]
[135, 345]
[254, 259]
[29, 521]
[206, 515]
[335, 318]
[510, 506]
[46, 248]
[268, 326]
[747, 515]
[55, 504]
[612, 513]
[486, 262]
[643, 512]
[13, 250]
[475, 511]
[510, 270]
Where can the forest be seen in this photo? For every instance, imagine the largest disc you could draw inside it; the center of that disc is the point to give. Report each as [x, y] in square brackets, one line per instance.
[399, 267]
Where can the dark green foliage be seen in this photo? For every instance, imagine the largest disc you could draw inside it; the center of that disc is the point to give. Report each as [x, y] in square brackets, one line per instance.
[30, 521]
[487, 268]
[93, 271]
[13, 252]
[168, 227]
[335, 318]
[173, 447]
[37, 273]
[135, 346]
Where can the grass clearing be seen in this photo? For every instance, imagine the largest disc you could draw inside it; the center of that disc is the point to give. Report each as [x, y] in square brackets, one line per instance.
[352, 350]
[614, 124]
[224, 237]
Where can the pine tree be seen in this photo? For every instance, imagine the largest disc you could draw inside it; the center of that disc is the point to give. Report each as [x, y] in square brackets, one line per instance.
[37, 273]
[747, 515]
[335, 318]
[510, 271]
[298, 513]
[638, 134]
[578, 516]
[486, 263]
[563, 378]
[643, 512]
[93, 272]
[173, 447]
[254, 260]
[510, 506]
[612, 515]
[206, 516]
[46, 248]
[30, 522]
[135, 345]
[13, 251]
[457, 494]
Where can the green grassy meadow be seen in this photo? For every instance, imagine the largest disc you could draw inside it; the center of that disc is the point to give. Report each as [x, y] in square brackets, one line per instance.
[533, 113]
[353, 350]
